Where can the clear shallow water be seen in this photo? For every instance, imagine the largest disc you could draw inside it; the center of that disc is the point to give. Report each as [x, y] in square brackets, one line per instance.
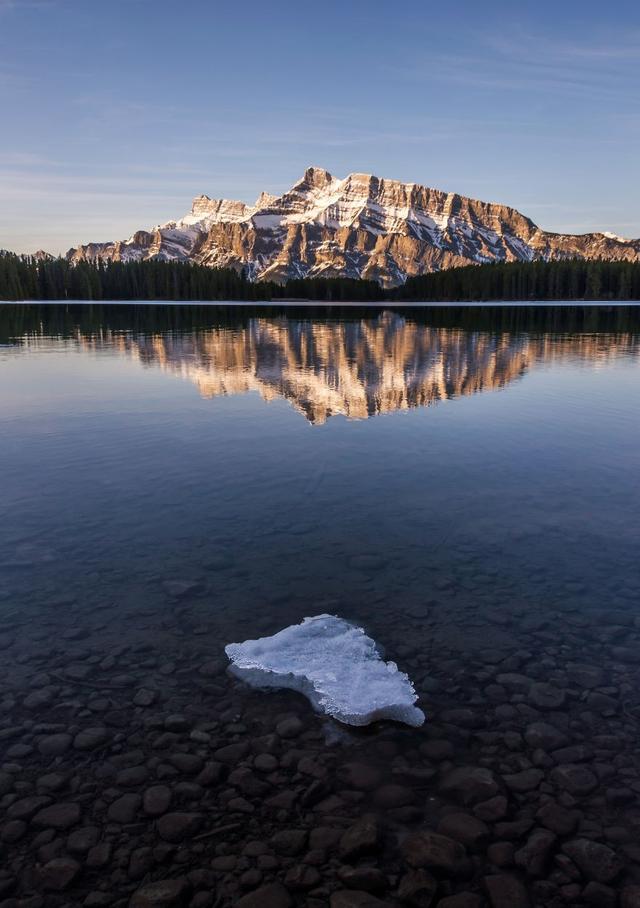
[465, 484]
[502, 459]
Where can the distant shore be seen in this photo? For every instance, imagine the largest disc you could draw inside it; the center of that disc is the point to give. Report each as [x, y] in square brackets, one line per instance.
[337, 304]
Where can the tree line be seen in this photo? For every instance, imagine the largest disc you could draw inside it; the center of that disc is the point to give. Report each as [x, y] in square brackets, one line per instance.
[47, 278]
[567, 279]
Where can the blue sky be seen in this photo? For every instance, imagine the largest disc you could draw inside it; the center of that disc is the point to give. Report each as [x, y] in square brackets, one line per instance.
[115, 114]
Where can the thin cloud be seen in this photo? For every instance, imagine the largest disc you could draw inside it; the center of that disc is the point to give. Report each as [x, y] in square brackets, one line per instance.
[521, 61]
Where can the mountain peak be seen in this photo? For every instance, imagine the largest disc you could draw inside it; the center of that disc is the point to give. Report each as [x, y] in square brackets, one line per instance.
[362, 226]
[315, 178]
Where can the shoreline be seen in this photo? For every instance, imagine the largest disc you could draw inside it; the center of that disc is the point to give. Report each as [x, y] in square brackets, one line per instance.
[333, 304]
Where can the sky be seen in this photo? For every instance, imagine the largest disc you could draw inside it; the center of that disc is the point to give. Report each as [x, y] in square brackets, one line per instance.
[116, 114]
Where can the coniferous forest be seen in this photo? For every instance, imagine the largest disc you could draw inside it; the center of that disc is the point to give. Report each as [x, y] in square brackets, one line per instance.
[31, 278]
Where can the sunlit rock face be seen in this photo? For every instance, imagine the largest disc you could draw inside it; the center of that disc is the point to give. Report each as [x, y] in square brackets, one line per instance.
[361, 226]
[358, 368]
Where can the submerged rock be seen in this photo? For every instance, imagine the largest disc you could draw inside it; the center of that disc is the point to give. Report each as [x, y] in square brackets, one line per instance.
[335, 665]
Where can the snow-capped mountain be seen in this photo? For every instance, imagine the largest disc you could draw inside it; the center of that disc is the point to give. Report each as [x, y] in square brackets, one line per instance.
[361, 226]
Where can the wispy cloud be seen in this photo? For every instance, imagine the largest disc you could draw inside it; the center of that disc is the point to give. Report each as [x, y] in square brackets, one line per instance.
[518, 60]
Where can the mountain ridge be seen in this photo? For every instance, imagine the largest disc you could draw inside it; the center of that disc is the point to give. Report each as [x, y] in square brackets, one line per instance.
[360, 226]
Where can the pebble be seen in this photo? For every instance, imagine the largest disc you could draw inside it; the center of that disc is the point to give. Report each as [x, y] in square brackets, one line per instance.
[289, 728]
[301, 878]
[546, 696]
[417, 888]
[58, 816]
[176, 827]
[535, 855]
[156, 800]
[574, 778]
[82, 840]
[433, 851]
[506, 891]
[59, 873]
[273, 895]
[466, 829]
[125, 808]
[161, 894]
[527, 780]
[470, 784]
[363, 837]
[90, 738]
[54, 745]
[348, 898]
[25, 808]
[289, 842]
[596, 861]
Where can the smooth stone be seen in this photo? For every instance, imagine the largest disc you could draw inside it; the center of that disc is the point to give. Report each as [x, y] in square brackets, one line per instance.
[557, 818]
[417, 888]
[289, 728]
[368, 879]
[524, 781]
[273, 895]
[54, 745]
[59, 873]
[464, 828]
[574, 778]
[433, 851]
[470, 784]
[352, 898]
[599, 896]
[180, 589]
[534, 857]
[25, 808]
[363, 837]
[390, 796]
[90, 738]
[492, 810]
[99, 856]
[596, 861]
[506, 891]
[132, 777]
[156, 800]
[461, 900]
[145, 697]
[58, 816]
[289, 842]
[360, 776]
[546, 696]
[82, 840]
[176, 827]
[232, 753]
[545, 736]
[301, 878]
[13, 831]
[124, 809]
[161, 894]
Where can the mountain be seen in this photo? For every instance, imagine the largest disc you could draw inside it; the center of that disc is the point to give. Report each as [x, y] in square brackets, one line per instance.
[360, 227]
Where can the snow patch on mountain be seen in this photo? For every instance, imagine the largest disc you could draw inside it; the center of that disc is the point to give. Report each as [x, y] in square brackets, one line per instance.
[360, 226]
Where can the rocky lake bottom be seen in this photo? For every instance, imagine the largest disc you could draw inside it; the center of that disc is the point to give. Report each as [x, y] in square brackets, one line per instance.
[478, 519]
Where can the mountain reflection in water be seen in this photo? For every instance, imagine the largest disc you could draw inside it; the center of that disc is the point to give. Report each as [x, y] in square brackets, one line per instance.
[358, 367]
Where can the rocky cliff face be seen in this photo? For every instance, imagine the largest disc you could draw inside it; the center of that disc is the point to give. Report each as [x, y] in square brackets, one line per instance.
[360, 227]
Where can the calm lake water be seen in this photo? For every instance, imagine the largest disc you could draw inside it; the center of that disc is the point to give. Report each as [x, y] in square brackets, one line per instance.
[464, 483]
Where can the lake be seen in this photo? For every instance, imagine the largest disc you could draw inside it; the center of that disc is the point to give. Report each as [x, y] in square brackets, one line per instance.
[463, 483]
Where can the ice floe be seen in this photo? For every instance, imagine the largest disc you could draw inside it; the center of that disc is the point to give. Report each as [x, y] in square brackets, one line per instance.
[335, 665]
